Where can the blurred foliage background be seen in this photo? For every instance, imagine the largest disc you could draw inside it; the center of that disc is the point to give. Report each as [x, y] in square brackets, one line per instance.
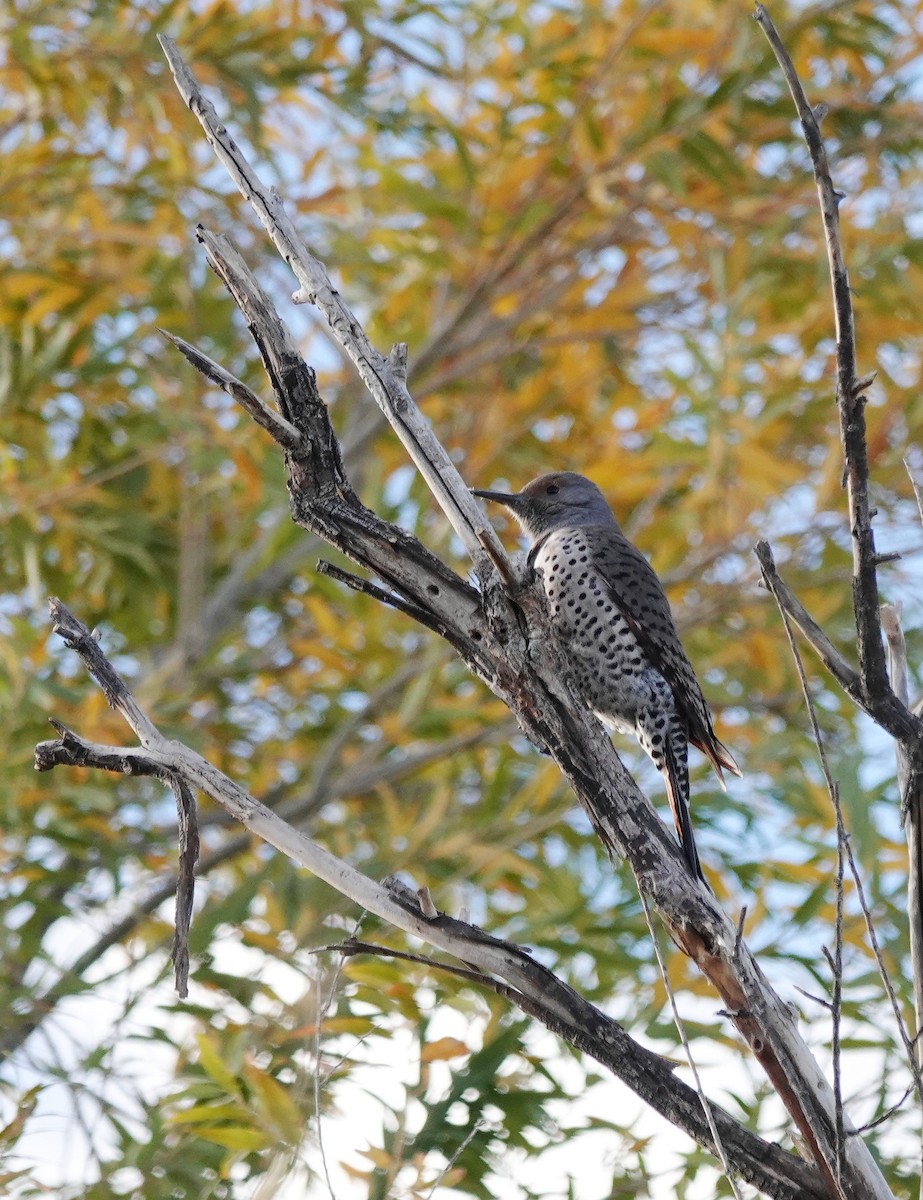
[595, 226]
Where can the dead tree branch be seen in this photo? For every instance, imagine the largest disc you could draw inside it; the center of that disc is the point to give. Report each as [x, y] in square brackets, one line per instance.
[892, 721]
[385, 377]
[280, 430]
[850, 390]
[297, 809]
[879, 699]
[844, 853]
[912, 819]
[501, 966]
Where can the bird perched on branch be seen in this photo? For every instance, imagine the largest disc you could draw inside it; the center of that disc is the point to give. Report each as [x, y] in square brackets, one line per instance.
[614, 622]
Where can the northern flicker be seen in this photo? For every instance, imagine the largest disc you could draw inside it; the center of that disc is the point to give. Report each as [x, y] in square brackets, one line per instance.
[614, 621]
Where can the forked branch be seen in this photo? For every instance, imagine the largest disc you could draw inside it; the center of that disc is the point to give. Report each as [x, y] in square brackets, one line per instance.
[501, 966]
[851, 391]
[385, 377]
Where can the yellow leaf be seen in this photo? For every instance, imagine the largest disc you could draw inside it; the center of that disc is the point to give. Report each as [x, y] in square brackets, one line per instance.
[213, 1065]
[354, 1025]
[201, 1113]
[372, 972]
[443, 1048]
[328, 623]
[236, 1137]
[275, 1104]
[381, 1158]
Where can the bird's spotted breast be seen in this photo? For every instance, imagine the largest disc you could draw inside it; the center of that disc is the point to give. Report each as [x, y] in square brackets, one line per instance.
[611, 673]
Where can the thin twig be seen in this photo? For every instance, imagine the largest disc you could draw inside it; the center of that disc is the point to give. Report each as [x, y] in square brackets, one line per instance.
[459, 1151]
[883, 972]
[683, 1037]
[320, 1013]
[837, 996]
[353, 946]
[917, 489]
[320, 1018]
[836, 960]
[845, 675]
[889, 712]
[816, 999]
[833, 791]
[367, 588]
[347, 1054]
[281, 430]
[886, 1116]
[911, 800]
[187, 826]
[850, 389]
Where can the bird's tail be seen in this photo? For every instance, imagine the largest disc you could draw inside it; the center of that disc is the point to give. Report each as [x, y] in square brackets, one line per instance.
[718, 755]
[676, 777]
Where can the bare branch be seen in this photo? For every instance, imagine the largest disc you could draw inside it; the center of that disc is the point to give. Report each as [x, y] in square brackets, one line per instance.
[459, 1151]
[790, 605]
[888, 711]
[911, 816]
[322, 1007]
[353, 782]
[897, 670]
[850, 392]
[917, 488]
[707, 1106]
[185, 888]
[886, 1116]
[890, 708]
[506, 968]
[386, 386]
[322, 499]
[506, 641]
[845, 848]
[367, 588]
[77, 637]
[281, 430]
[646, 1073]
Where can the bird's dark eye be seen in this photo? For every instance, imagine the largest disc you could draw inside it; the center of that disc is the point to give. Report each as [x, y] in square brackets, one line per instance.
[552, 489]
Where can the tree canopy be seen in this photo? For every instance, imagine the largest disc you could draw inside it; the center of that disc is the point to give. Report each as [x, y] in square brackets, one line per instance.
[595, 227]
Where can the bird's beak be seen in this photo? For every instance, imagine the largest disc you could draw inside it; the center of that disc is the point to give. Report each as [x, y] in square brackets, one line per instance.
[511, 500]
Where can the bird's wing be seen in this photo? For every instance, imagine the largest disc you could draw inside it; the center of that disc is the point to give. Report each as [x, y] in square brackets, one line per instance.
[637, 592]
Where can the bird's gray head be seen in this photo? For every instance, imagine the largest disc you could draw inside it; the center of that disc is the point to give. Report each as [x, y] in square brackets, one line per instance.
[560, 500]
